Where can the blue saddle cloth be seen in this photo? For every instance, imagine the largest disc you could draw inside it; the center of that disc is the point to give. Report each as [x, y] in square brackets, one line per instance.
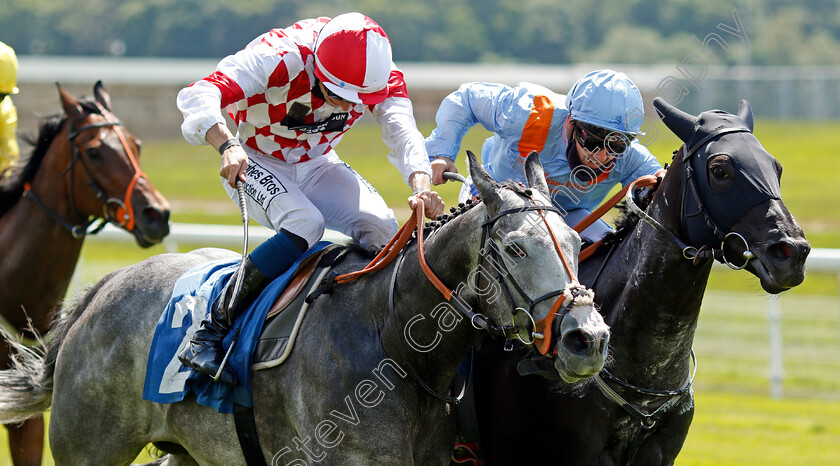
[167, 380]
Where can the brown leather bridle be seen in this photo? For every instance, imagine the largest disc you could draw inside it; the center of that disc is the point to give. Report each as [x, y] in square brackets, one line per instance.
[123, 213]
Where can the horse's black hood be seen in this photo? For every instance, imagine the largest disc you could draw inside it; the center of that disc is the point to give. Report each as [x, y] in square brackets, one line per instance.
[714, 133]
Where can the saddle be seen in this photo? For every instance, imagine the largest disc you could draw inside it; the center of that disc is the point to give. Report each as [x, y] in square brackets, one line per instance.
[285, 316]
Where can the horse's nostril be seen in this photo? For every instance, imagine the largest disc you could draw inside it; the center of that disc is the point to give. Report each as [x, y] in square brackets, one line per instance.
[155, 217]
[155, 222]
[578, 341]
[602, 346]
[780, 252]
[151, 215]
[785, 249]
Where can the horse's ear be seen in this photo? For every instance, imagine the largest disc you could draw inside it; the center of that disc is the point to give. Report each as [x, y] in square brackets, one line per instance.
[102, 95]
[486, 185]
[745, 113]
[676, 120]
[535, 174]
[71, 106]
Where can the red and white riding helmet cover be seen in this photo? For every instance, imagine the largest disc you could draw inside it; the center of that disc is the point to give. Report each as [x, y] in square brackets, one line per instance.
[353, 58]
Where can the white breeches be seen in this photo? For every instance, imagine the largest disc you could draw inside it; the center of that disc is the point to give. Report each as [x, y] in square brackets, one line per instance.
[306, 197]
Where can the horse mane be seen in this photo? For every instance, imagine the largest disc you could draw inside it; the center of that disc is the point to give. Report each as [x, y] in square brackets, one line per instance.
[23, 171]
[69, 313]
[454, 212]
[463, 207]
[356, 247]
[625, 222]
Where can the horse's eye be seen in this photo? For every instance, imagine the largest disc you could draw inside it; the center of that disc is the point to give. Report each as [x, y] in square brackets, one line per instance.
[515, 251]
[93, 153]
[719, 173]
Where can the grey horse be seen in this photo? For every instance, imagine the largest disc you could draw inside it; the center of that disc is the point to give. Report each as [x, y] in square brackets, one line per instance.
[356, 389]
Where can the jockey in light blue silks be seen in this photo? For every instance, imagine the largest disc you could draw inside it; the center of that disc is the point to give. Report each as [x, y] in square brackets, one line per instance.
[602, 114]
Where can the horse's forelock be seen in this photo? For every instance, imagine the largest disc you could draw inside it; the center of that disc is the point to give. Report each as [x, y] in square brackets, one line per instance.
[90, 106]
[518, 188]
[463, 208]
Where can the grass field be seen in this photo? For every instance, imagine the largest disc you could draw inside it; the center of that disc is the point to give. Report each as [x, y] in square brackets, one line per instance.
[729, 428]
[735, 430]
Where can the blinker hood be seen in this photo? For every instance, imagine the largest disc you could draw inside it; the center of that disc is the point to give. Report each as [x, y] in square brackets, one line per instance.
[708, 215]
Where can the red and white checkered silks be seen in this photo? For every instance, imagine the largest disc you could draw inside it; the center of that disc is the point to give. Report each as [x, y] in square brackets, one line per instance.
[260, 84]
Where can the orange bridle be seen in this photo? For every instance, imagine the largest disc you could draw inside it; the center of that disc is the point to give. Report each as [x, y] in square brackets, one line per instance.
[124, 213]
[542, 328]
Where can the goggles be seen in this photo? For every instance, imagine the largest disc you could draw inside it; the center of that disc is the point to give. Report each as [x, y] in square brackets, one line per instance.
[593, 139]
[335, 96]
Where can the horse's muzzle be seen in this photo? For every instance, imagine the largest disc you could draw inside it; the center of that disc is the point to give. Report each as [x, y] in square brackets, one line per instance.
[582, 343]
[152, 226]
[780, 266]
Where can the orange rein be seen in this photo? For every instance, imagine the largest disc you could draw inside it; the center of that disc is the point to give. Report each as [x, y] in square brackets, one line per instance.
[640, 182]
[400, 239]
[397, 243]
[544, 325]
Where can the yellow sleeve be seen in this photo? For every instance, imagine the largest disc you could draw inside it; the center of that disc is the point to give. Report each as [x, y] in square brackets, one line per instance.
[9, 150]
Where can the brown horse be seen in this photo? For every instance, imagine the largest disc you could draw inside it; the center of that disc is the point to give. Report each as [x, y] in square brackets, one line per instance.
[84, 167]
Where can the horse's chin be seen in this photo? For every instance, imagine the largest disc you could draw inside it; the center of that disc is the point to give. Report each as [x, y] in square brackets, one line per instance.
[569, 375]
[769, 281]
[773, 288]
[149, 235]
[143, 241]
[570, 379]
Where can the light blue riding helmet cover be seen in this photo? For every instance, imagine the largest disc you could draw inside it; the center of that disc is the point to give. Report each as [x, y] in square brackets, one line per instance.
[607, 99]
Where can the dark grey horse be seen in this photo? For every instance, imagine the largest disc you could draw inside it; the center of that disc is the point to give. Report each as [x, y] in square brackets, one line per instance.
[722, 192]
[351, 392]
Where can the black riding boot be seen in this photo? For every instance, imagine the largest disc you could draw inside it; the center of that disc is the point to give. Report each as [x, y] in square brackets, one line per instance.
[205, 352]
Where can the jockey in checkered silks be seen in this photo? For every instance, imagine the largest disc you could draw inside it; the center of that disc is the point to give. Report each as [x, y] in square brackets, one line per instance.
[292, 94]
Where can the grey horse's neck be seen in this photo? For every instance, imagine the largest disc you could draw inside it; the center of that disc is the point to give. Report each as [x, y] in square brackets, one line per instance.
[423, 330]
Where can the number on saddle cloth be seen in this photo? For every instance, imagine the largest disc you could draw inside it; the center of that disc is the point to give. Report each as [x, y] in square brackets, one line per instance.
[167, 380]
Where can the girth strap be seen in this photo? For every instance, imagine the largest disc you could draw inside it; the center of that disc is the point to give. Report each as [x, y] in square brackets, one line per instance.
[466, 417]
[246, 431]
